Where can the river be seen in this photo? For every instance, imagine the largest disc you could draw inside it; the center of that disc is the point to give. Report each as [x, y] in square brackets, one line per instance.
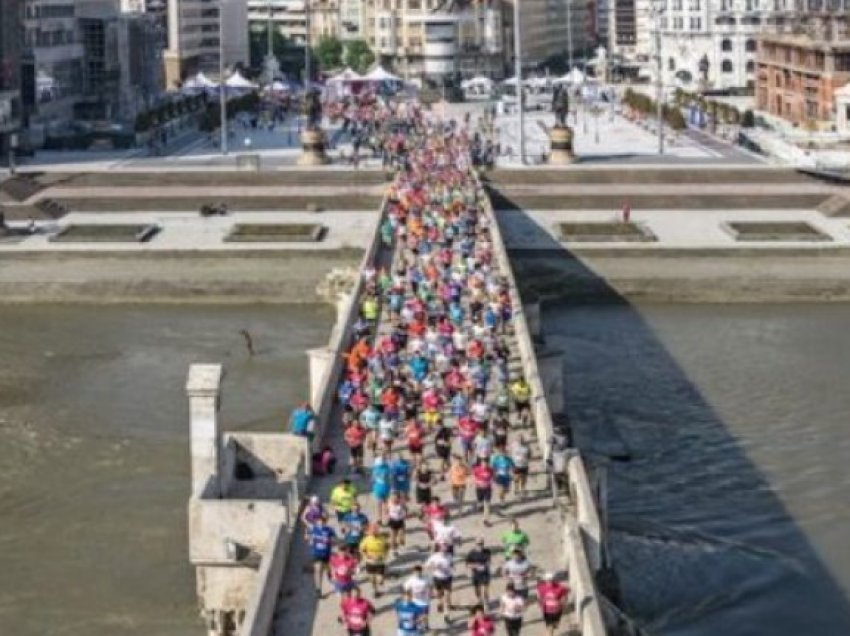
[94, 456]
[729, 487]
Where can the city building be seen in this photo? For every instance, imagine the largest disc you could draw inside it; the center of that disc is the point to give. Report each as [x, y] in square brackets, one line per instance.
[10, 75]
[712, 44]
[544, 30]
[842, 110]
[122, 61]
[435, 39]
[286, 16]
[53, 82]
[194, 29]
[799, 75]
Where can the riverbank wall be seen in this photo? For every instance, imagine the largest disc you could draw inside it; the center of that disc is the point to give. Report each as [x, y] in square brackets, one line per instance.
[291, 277]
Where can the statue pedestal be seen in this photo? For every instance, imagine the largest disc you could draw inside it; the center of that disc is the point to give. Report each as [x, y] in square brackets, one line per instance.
[313, 148]
[561, 142]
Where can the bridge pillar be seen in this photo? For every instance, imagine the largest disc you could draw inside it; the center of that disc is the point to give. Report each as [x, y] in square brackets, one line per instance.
[202, 388]
[320, 360]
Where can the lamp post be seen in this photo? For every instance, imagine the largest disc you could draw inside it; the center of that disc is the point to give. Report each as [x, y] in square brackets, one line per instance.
[306, 45]
[659, 82]
[222, 98]
[568, 4]
[518, 71]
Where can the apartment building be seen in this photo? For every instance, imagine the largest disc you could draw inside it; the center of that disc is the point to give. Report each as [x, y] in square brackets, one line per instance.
[544, 29]
[194, 29]
[712, 44]
[799, 75]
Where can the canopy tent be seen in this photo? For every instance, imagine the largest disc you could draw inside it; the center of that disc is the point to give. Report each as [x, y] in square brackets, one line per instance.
[575, 76]
[239, 81]
[347, 76]
[537, 82]
[380, 74]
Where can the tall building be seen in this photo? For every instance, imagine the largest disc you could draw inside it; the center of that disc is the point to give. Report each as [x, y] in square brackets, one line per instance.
[10, 73]
[122, 63]
[798, 75]
[194, 29]
[544, 26]
[52, 40]
[712, 44]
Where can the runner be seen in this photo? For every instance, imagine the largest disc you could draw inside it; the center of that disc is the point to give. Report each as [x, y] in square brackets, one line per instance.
[321, 541]
[424, 481]
[381, 485]
[373, 550]
[357, 613]
[410, 615]
[552, 597]
[354, 524]
[518, 570]
[343, 498]
[355, 437]
[480, 624]
[396, 519]
[503, 467]
[482, 474]
[511, 609]
[446, 534]
[515, 538]
[343, 566]
[520, 454]
[521, 394]
[420, 590]
[478, 561]
[313, 512]
[443, 445]
[441, 566]
[400, 471]
[458, 476]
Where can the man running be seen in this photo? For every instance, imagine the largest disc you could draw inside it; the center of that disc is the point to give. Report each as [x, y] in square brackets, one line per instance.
[478, 561]
[373, 549]
[441, 566]
[552, 597]
[357, 613]
[321, 541]
[410, 615]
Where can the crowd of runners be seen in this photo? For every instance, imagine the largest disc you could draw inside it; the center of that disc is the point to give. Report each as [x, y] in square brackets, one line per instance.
[427, 397]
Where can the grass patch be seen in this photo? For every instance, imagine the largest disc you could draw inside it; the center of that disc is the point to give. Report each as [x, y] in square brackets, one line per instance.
[276, 233]
[106, 233]
[775, 231]
[604, 232]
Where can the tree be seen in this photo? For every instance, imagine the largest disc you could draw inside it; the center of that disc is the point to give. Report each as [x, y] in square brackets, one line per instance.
[329, 53]
[359, 56]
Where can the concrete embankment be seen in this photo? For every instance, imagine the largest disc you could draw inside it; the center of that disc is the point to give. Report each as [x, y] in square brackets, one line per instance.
[762, 275]
[277, 276]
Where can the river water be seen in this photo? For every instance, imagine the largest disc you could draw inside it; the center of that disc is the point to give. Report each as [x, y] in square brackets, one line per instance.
[729, 491]
[94, 453]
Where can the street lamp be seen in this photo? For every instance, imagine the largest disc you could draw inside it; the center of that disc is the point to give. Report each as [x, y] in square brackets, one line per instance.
[222, 98]
[306, 45]
[568, 4]
[518, 72]
[657, 10]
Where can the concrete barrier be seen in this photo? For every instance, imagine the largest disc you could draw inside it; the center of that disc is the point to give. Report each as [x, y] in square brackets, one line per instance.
[259, 613]
[586, 512]
[587, 608]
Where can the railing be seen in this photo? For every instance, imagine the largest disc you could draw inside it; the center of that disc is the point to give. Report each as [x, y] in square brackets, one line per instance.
[341, 337]
[259, 614]
[582, 535]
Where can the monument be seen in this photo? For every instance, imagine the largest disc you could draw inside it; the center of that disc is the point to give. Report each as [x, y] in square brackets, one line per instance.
[313, 137]
[561, 135]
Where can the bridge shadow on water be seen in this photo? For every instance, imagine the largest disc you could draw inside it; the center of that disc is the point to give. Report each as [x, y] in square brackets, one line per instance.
[700, 539]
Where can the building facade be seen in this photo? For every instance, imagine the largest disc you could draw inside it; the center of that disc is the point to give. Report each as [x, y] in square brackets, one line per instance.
[544, 26]
[712, 44]
[54, 81]
[11, 108]
[194, 30]
[799, 75]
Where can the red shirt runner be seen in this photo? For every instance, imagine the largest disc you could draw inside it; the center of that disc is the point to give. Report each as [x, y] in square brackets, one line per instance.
[483, 626]
[356, 612]
[551, 595]
[483, 476]
[343, 567]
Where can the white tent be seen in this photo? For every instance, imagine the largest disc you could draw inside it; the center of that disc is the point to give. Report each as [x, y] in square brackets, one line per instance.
[346, 77]
[537, 82]
[380, 74]
[237, 80]
[202, 81]
[574, 77]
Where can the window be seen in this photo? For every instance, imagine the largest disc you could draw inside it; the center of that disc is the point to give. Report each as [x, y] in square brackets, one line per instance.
[751, 66]
[750, 46]
[694, 5]
[671, 64]
[677, 5]
[726, 45]
[678, 23]
[726, 66]
[696, 24]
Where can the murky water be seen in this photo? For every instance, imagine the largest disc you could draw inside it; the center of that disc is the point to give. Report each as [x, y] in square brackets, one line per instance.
[732, 515]
[94, 453]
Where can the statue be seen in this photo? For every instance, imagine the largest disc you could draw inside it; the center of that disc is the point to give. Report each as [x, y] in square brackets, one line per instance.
[312, 109]
[561, 106]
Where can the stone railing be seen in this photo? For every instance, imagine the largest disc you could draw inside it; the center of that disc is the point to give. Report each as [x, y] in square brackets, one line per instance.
[324, 391]
[259, 613]
[583, 535]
